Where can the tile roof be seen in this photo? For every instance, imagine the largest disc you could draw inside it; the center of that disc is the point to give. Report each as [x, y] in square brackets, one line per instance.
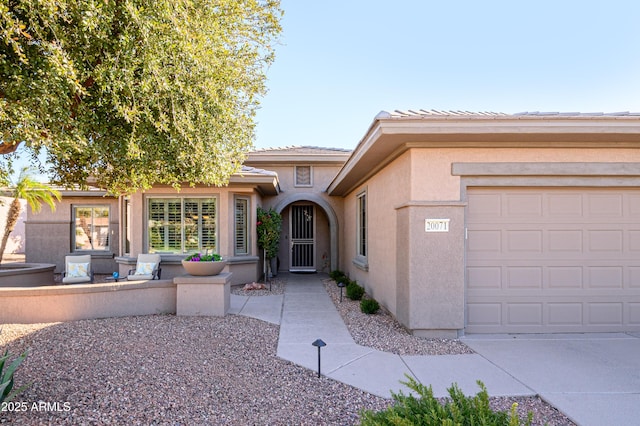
[256, 171]
[412, 113]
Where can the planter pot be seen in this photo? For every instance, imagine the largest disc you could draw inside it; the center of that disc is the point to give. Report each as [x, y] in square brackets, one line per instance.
[203, 268]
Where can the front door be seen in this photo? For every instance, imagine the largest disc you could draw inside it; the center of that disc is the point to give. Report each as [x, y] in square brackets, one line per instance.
[303, 244]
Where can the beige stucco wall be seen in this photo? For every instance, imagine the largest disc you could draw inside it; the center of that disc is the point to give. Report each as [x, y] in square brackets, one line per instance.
[385, 190]
[421, 282]
[431, 168]
[322, 176]
[49, 234]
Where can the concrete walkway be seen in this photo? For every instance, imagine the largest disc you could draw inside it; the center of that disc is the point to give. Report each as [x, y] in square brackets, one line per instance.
[593, 380]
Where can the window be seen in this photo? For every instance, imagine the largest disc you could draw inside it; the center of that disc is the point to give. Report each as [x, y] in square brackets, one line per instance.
[303, 176]
[242, 226]
[91, 228]
[181, 225]
[362, 225]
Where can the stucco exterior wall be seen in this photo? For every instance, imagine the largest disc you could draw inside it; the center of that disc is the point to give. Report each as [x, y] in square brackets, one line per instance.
[322, 175]
[50, 234]
[431, 177]
[419, 276]
[385, 191]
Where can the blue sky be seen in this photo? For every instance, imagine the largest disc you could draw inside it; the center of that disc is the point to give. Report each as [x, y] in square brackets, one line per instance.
[341, 62]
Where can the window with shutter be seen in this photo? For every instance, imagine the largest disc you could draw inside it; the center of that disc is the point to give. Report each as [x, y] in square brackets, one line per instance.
[242, 226]
[181, 225]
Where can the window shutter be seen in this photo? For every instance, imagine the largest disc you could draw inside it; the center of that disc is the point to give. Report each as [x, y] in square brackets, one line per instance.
[242, 226]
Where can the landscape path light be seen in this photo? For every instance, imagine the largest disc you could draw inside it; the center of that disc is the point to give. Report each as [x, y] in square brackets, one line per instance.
[341, 285]
[319, 344]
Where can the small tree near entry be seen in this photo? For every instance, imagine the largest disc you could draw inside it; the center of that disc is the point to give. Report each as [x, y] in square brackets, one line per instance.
[268, 229]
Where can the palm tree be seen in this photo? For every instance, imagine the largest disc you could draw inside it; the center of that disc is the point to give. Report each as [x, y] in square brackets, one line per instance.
[36, 193]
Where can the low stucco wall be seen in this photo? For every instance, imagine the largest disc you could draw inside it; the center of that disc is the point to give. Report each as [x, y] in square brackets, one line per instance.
[26, 274]
[86, 301]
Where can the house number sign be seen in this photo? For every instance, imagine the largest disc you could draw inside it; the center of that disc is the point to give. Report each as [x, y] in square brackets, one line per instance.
[436, 225]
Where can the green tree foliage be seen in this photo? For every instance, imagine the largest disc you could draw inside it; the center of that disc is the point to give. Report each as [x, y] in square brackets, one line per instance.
[134, 92]
[268, 229]
[35, 193]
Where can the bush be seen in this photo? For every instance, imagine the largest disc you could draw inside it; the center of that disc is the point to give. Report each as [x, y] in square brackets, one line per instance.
[354, 291]
[6, 376]
[369, 306]
[336, 275]
[427, 410]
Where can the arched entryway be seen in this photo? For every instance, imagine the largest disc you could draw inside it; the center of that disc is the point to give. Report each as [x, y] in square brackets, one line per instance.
[308, 219]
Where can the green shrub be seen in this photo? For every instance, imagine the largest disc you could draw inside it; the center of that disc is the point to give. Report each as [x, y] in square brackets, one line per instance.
[354, 291]
[369, 306]
[336, 275]
[427, 410]
[343, 279]
[6, 376]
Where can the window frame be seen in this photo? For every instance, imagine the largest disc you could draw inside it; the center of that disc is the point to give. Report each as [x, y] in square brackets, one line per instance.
[74, 217]
[183, 249]
[247, 228]
[362, 231]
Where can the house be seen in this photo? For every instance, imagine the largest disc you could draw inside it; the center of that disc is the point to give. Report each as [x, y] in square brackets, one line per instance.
[456, 222]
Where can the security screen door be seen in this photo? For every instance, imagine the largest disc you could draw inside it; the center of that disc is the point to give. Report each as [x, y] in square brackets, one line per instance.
[303, 243]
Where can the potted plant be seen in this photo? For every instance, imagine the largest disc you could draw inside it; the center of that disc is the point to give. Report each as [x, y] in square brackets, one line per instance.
[203, 264]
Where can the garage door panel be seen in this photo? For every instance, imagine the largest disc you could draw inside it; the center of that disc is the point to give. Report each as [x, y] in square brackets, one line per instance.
[604, 314]
[524, 240]
[523, 205]
[553, 260]
[563, 277]
[564, 240]
[565, 314]
[605, 277]
[524, 313]
[524, 277]
[484, 277]
[605, 205]
[605, 240]
[634, 239]
[634, 277]
[564, 204]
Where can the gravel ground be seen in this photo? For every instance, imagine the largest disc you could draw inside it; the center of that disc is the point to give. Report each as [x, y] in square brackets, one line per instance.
[169, 370]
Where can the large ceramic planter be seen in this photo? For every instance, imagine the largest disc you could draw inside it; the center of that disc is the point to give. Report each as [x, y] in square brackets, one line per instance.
[203, 268]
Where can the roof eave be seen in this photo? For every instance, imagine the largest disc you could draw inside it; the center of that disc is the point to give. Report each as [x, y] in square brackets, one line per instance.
[388, 137]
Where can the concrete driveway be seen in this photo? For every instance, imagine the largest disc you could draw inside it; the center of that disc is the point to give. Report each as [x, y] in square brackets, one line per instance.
[592, 378]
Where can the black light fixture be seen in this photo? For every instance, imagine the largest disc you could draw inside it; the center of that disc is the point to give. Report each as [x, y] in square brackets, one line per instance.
[341, 285]
[319, 344]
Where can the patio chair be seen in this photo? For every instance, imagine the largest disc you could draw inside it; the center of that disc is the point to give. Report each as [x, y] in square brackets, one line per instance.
[77, 269]
[147, 268]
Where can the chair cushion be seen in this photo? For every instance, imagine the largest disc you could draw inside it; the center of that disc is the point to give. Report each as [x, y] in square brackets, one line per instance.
[78, 270]
[144, 268]
[139, 277]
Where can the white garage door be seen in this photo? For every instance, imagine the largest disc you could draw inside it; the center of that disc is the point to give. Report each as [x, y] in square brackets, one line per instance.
[553, 260]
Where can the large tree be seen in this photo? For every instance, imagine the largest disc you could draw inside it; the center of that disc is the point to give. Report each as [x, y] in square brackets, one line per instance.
[134, 92]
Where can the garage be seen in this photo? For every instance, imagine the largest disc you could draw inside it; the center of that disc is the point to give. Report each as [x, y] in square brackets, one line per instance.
[552, 260]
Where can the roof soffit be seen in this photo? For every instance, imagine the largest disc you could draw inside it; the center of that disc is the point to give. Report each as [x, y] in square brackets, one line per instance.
[388, 138]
